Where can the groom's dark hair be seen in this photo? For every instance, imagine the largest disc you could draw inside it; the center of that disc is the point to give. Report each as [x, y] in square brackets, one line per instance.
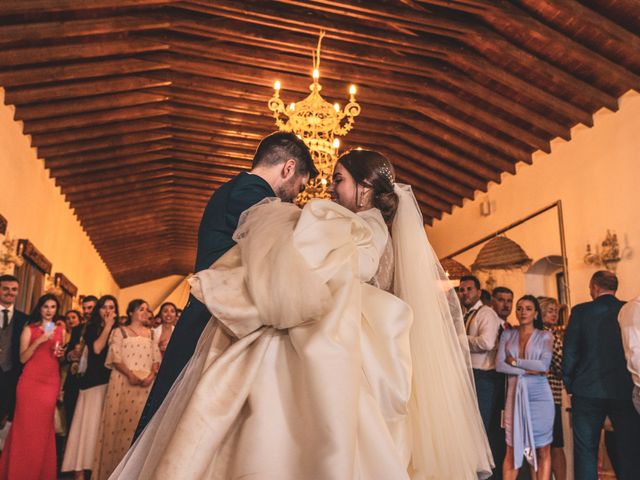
[281, 146]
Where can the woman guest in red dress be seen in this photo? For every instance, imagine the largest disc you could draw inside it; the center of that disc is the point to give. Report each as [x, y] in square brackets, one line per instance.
[30, 450]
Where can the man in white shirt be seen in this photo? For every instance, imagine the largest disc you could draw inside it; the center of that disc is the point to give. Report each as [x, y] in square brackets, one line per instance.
[483, 326]
[629, 320]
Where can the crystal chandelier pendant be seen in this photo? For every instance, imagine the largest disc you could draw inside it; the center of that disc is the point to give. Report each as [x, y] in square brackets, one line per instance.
[319, 124]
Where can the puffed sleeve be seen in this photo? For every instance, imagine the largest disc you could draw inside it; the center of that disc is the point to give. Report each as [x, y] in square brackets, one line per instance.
[369, 253]
[114, 354]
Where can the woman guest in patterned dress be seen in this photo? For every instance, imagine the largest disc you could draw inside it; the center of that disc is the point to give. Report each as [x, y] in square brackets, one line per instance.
[553, 323]
[524, 354]
[134, 359]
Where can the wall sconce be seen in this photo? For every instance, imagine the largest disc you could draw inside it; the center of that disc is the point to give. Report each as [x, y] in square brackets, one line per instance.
[9, 259]
[608, 256]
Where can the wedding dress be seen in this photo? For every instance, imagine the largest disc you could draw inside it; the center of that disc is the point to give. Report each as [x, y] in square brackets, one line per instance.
[309, 369]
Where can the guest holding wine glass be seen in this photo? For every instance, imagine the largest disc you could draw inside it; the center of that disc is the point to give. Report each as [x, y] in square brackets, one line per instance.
[134, 358]
[168, 316]
[83, 435]
[524, 354]
[30, 449]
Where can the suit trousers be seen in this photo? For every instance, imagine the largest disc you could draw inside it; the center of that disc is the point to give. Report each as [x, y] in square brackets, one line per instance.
[588, 416]
[636, 398]
[8, 383]
[184, 340]
[490, 387]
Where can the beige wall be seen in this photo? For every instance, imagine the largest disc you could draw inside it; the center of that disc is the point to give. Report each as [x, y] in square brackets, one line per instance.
[596, 175]
[36, 210]
[154, 292]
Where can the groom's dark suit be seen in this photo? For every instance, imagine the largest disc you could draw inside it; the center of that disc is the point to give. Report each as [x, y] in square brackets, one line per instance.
[219, 221]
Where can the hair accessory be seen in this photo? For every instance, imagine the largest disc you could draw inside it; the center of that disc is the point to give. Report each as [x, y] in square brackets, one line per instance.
[386, 171]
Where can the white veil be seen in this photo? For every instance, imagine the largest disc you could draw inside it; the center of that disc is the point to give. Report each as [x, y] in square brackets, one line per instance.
[448, 436]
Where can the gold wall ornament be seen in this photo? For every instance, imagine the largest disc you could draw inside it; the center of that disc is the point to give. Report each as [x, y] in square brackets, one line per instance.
[318, 123]
[608, 255]
[9, 258]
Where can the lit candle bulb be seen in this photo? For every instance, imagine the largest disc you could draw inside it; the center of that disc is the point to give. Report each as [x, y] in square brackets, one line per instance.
[336, 143]
[324, 181]
[316, 74]
[352, 90]
[276, 85]
[336, 106]
[292, 106]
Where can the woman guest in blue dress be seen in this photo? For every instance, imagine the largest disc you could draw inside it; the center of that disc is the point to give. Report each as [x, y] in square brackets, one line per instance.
[524, 355]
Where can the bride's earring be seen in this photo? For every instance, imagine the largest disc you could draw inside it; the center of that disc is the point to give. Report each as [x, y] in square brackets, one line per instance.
[361, 204]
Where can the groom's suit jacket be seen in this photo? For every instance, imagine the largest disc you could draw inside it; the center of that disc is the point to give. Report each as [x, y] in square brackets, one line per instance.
[218, 223]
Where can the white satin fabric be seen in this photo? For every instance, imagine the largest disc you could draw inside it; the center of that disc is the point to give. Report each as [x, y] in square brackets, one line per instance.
[305, 371]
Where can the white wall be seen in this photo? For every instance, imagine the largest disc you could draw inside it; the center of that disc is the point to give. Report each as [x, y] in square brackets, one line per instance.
[36, 210]
[596, 175]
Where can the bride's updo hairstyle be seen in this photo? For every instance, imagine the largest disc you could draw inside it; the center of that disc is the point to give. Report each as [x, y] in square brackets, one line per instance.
[373, 170]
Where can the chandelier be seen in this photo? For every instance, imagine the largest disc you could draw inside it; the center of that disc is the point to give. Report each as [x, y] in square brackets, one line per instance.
[318, 123]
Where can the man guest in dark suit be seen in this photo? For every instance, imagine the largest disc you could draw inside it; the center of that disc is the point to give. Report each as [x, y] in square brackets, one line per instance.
[12, 322]
[282, 165]
[595, 373]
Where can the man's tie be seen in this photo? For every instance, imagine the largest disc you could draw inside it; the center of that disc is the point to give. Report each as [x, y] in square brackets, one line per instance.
[5, 318]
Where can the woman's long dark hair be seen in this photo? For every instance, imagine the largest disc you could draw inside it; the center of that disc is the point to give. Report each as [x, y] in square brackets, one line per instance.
[95, 315]
[36, 316]
[132, 307]
[375, 171]
[537, 323]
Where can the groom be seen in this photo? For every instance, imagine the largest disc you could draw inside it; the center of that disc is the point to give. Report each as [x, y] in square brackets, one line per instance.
[282, 165]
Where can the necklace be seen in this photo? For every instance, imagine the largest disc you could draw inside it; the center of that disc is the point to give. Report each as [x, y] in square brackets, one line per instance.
[138, 334]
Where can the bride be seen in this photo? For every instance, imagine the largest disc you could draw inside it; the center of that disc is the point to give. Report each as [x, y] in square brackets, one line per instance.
[336, 350]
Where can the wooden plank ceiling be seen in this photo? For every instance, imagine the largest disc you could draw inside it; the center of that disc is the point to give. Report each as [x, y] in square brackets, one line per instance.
[141, 108]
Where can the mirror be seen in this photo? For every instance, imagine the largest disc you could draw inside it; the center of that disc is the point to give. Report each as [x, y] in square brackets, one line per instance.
[527, 256]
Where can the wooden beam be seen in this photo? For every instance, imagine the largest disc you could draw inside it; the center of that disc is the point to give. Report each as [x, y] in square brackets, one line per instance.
[101, 131]
[105, 155]
[113, 164]
[94, 206]
[40, 31]
[14, 57]
[162, 165]
[39, 111]
[33, 94]
[95, 118]
[152, 134]
[22, 7]
[79, 71]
